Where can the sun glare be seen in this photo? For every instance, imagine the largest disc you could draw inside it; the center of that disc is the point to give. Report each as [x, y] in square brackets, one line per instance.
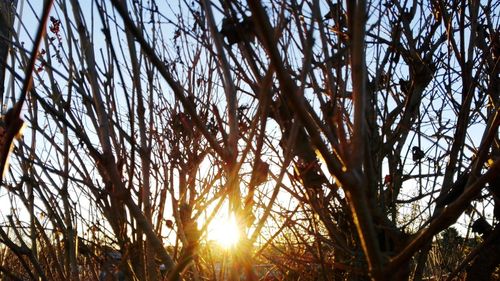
[224, 231]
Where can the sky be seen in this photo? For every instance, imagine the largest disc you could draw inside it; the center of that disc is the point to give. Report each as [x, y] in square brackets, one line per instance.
[27, 31]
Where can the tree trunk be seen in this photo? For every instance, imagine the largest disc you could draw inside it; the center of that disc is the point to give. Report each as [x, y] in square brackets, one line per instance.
[7, 13]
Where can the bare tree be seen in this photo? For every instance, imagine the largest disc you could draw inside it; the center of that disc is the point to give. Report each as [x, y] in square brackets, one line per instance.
[343, 136]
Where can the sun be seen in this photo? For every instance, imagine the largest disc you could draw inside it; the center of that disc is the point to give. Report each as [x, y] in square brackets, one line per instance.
[224, 231]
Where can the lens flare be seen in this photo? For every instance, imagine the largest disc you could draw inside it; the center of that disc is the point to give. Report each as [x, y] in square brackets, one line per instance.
[224, 231]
